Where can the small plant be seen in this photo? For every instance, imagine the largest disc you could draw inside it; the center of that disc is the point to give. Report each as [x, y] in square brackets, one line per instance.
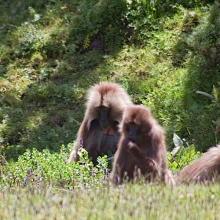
[34, 167]
[181, 155]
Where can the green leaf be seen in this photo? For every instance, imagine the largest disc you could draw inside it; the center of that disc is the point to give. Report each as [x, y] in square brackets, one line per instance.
[177, 141]
[36, 17]
[205, 94]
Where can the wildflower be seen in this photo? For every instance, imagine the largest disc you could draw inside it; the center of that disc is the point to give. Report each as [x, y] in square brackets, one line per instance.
[151, 3]
[93, 172]
[139, 8]
[39, 179]
[1, 28]
[29, 172]
[105, 172]
[24, 182]
[81, 142]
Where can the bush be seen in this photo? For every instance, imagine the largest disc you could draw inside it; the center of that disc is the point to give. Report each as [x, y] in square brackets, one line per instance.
[205, 42]
[36, 168]
[97, 20]
[203, 75]
[183, 154]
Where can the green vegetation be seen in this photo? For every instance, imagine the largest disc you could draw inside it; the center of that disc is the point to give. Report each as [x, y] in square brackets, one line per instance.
[164, 53]
[136, 201]
[51, 52]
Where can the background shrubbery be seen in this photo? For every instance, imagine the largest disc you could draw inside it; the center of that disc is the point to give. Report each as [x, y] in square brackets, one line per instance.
[161, 52]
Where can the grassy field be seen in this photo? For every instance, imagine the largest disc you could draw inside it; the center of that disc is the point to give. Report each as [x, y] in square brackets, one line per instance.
[130, 201]
[166, 56]
[41, 185]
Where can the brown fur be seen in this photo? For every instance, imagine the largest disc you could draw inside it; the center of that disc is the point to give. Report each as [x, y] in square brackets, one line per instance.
[90, 135]
[203, 170]
[146, 152]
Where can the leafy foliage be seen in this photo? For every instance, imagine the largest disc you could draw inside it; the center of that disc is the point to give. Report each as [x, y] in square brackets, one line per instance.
[202, 42]
[36, 168]
[52, 51]
[181, 155]
[97, 20]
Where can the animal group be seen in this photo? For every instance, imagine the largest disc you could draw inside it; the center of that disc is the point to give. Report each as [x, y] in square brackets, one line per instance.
[114, 125]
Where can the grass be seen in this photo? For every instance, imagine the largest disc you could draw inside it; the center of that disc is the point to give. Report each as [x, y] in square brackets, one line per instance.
[41, 185]
[136, 201]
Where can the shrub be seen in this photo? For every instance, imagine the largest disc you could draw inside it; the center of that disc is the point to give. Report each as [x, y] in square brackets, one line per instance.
[34, 167]
[182, 155]
[97, 20]
[203, 73]
[205, 41]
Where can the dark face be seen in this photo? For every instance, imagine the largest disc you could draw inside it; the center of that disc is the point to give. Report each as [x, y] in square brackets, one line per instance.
[104, 114]
[132, 131]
